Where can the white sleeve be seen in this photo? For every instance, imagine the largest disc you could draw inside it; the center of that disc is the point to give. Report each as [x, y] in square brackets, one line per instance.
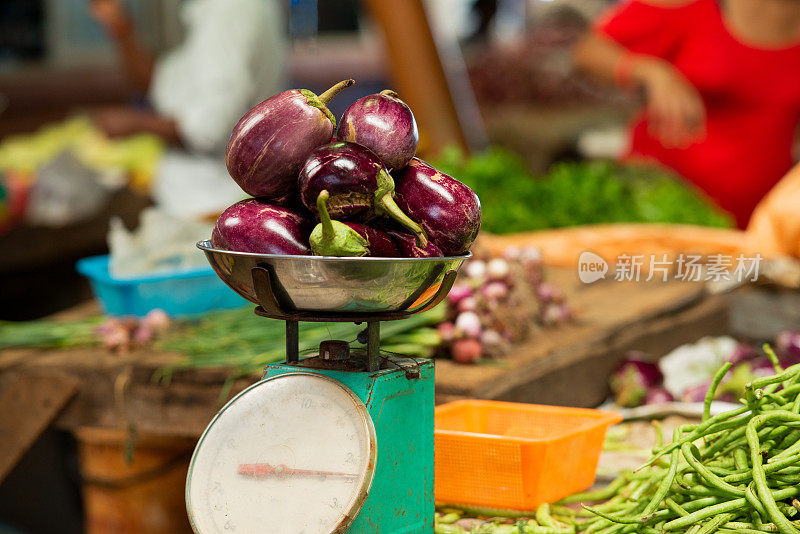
[211, 80]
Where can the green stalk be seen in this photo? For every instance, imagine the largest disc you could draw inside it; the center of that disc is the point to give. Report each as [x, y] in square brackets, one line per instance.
[321, 102]
[334, 238]
[386, 206]
[335, 90]
[324, 216]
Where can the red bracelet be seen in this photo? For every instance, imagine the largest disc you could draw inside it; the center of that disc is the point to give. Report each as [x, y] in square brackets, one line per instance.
[623, 70]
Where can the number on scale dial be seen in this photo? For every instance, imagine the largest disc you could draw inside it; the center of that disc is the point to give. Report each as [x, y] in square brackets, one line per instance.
[293, 453]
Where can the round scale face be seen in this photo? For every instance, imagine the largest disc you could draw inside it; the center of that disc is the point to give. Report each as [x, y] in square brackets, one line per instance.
[292, 453]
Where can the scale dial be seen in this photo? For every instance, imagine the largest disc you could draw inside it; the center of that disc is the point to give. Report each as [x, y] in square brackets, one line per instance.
[292, 453]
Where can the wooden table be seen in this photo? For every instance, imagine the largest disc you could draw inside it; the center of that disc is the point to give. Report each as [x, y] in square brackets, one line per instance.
[610, 318]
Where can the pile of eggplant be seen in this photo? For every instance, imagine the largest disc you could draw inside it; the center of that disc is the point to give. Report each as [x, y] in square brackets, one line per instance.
[328, 192]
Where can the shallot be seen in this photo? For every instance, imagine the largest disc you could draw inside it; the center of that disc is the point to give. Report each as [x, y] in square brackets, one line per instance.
[497, 269]
[466, 350]
[459, 292]
[469, 323]
[476, 269]
[447, 331]
[495, 290]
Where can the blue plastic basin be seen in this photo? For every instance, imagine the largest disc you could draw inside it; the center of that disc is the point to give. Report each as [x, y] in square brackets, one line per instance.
[179, 293]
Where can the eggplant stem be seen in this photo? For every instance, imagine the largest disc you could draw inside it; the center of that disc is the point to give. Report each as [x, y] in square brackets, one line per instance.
[390, 207]
[333, 91]
[324, 216]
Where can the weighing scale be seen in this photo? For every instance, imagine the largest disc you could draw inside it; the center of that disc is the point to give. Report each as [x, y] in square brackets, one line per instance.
[338, 442]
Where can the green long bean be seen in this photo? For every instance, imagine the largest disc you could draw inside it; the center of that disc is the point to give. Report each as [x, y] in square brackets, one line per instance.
[759, 476]
[712, 389]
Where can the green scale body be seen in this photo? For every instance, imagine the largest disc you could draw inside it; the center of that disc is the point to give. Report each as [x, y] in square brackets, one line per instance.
[400, 403]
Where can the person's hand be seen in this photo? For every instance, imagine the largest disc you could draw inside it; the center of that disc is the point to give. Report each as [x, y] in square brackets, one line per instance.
[116, 121]
[675, 110]
[111, 14]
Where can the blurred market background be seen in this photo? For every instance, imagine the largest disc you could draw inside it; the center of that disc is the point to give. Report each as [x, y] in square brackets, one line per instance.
[499, 106]
[510, 81]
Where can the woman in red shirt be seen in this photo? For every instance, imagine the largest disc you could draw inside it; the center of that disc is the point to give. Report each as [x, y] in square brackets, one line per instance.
[722, 86]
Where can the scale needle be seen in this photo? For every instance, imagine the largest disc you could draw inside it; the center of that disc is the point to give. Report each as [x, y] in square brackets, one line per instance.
[267, 470]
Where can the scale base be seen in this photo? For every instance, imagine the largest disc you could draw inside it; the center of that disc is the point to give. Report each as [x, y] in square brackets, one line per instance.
[399, 398]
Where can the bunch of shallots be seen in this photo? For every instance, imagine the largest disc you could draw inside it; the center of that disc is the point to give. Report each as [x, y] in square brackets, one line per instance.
[497, 302]
[123, 334]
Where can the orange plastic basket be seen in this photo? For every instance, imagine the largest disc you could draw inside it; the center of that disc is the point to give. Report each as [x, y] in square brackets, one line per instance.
[518, 456]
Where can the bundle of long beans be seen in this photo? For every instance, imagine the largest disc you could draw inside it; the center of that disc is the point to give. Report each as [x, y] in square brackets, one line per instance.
[738, 471]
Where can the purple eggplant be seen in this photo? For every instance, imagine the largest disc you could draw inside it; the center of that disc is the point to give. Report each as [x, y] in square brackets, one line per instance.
[269, 145]
[787, 345]
[696, 393]
[360, 188]
[448, 211]
[409, 248]
[335, 238]
[658, 395]
[384, 124]
[253, 225]
[632, 380]
[743, 352]
[379, 243]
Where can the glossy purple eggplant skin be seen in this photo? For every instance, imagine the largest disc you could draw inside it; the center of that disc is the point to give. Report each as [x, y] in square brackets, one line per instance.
[384, 124]
[407, 245]
[358, 186]
[253, 225]
[379, 243]
[448, 211]
[271, 142]
[349, 172]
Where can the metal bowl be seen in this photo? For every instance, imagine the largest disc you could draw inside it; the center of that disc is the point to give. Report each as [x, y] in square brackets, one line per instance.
[331, 284]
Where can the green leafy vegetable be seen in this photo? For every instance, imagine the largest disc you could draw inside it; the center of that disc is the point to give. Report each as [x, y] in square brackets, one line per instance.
[575, 193]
